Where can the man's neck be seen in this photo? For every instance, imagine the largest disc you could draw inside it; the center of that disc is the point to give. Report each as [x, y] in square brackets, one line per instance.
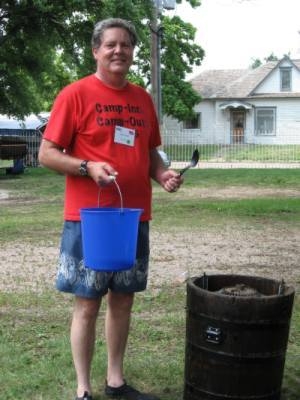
[113, 80]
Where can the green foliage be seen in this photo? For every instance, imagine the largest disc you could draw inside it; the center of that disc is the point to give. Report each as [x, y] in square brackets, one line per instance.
[178, 95]
[33, 33]
[271, 57]
[256, 62]
[45, 45]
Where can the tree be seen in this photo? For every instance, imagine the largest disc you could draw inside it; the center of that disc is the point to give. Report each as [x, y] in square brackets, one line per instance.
[256, 62]
[40, 49]
[45, 45]
[271, 57]
[177, 94]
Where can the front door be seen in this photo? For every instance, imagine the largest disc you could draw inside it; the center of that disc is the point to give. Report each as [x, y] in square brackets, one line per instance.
[237, 126]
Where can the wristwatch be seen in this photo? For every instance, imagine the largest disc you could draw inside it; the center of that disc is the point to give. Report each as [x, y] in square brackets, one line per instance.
[83, 168]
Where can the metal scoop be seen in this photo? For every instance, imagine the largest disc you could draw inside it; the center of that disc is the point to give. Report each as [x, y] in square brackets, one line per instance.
[193, 162]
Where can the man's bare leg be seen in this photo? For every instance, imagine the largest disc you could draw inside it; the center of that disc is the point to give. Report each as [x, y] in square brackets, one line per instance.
[117, 328]
[83, 340]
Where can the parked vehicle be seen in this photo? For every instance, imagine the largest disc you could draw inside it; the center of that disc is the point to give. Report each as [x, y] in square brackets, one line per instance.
[12, 147]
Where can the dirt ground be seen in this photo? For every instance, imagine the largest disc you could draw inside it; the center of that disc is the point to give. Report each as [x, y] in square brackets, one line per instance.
[267, 251]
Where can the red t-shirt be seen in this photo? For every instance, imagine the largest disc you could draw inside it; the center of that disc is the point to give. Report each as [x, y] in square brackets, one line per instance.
[84, 120]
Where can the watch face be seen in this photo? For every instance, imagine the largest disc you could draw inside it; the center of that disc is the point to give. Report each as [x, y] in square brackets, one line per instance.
[83, 169]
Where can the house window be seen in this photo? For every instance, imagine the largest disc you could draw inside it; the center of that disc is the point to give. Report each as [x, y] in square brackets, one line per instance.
[285, 79]
[194, 123]
[265, 121]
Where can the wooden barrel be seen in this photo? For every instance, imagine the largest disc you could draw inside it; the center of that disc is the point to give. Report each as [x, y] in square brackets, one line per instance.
[235, 343]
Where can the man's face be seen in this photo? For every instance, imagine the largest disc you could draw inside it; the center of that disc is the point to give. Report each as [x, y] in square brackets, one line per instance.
[115, 53]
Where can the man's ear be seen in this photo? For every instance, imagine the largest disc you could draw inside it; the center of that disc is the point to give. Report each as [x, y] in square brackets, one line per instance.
[94, 52]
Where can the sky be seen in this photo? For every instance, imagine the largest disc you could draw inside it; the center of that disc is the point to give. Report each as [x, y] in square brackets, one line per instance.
[234, 32]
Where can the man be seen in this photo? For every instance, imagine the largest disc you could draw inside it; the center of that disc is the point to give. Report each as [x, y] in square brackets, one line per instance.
[103, 127]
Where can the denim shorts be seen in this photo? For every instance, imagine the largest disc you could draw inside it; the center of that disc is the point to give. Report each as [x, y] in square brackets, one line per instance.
[74, 277]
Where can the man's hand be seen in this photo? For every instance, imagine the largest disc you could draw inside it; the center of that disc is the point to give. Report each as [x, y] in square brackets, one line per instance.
[170, 180]
[102, 173]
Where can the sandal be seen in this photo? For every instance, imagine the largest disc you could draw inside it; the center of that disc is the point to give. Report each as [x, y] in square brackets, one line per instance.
[127, 392]
[86, 396]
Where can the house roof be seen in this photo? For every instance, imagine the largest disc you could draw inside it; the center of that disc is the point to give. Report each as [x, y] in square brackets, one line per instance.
[237, 83]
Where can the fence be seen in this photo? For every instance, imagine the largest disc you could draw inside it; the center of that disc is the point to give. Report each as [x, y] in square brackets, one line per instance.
[180, 144]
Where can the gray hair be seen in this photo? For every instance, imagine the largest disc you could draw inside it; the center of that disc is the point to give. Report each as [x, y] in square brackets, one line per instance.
[101, 26]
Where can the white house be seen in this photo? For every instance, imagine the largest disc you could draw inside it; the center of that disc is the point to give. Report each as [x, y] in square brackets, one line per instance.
[245, 106]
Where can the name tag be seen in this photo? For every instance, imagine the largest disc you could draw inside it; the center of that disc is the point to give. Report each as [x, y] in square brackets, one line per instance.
[124, 136]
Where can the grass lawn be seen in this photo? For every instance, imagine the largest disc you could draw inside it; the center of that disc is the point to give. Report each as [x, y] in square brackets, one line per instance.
[34, 331]
[236, 152]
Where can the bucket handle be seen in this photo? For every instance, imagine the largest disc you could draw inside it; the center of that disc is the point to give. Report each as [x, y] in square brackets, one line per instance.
[119, 190]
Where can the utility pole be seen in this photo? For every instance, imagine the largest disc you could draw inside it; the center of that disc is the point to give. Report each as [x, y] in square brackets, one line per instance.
[156, 35]
[155, 61]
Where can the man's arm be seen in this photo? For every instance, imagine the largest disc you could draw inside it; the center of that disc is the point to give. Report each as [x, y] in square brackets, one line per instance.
[52, 156]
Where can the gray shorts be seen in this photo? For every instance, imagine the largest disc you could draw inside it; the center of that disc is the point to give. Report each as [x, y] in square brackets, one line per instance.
[74, 277]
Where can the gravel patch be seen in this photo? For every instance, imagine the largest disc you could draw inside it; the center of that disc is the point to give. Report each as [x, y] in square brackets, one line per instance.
[267, 251]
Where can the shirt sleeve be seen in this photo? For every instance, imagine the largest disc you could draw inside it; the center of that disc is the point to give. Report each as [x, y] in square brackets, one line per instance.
[62, 122]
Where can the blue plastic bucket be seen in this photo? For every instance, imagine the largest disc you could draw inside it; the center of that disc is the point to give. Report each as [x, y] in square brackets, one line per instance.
[109, 237]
